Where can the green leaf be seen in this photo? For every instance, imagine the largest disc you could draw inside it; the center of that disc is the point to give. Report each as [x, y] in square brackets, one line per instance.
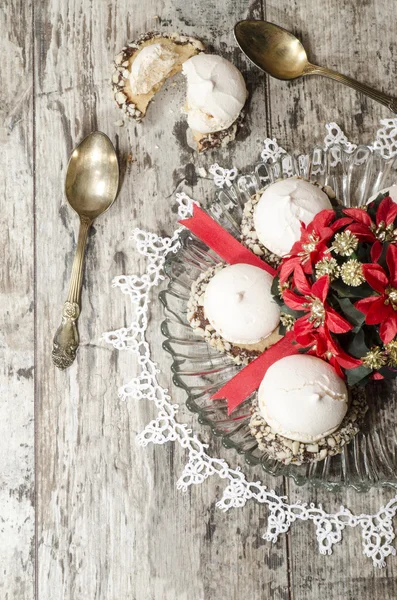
[347, 291]
[282, 329]
[357, 375]
[364, 252]
[382, 259]
[274, 289]
[358, 346]
[354, 316]
[290, 311]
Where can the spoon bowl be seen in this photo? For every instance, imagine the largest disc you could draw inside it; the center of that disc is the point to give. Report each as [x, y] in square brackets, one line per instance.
[272, 49]
[279, 53]
[92, 176]
[92, 181]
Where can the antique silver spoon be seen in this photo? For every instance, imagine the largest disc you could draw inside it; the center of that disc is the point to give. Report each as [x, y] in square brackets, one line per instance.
[91, 186]
[279, 53]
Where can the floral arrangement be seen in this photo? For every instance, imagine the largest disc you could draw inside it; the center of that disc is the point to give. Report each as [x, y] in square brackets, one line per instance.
[337, 290]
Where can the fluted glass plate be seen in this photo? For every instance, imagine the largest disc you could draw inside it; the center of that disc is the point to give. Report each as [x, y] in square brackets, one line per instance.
[371, 458]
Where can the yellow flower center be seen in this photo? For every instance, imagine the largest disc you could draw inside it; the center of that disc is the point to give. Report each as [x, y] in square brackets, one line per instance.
[384, 233]
[391, 294]
[309, 247]
[317, 311]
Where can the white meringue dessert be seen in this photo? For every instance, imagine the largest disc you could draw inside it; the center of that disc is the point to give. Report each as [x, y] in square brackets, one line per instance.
[239, 305]
[302, 398]
[142, 67]
[216, 94]
[281, 209]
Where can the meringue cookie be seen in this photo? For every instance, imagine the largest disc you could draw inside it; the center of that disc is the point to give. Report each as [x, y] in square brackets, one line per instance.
[151, 66]
[239, 305]
[302, 398]
[392, 191]
[282, 208]
[216, 93]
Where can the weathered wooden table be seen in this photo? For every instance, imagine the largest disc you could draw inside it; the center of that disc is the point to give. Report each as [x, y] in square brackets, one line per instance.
[85, 514]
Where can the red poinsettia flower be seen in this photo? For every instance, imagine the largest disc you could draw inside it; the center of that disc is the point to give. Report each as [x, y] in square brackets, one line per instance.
[312, 300]
[323, 345]
[312, 245]
[382, 308]
[382, 230]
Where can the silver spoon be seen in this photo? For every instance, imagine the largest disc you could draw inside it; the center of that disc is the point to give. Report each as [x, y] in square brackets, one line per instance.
[91, 185]
[279, 53]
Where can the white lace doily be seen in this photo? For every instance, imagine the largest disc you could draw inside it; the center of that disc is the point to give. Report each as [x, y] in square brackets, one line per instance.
[377, 529]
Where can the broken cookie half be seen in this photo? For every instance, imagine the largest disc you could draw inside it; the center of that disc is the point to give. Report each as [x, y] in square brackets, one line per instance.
[142, 67]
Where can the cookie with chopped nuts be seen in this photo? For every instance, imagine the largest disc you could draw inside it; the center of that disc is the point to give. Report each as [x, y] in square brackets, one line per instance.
[249, 234]
[200, 321]
[289, 451]
[219, 139]
[164, 53]
[249, 237]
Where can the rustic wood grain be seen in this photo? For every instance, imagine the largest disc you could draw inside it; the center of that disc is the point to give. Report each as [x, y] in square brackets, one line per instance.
[110, 522]
[17, 300]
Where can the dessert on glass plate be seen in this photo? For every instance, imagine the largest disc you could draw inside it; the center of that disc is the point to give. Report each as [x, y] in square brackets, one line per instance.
[232, 308]
[272, 218]
[216, 90]
[302, 412]
[304, 401]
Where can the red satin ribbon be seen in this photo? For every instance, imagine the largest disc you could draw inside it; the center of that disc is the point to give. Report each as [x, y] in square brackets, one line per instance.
[221, 241]
[232, 251]
[249, 379]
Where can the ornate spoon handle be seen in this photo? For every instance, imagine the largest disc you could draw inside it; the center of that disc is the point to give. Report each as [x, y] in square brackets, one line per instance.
[66, 339]
[380, 97]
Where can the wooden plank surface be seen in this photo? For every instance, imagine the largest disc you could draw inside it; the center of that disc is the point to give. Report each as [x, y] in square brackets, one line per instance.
[17, 301]
[110, 522]
[104, 506]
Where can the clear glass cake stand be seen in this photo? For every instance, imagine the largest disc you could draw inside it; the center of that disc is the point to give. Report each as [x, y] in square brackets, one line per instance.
[371, 458]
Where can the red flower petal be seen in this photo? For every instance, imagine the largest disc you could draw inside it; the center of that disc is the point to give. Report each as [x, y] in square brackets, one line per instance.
[303, 330]
[376, 251]
[378, 312]
[293, 300]
[321, 287]
[377, 376]
[391, 259]
[347, 361]
[287, 268]
[297, 248]
[387, 211]
[362, 232]
[325, 233]
[339, 223]
[376, 277]
[335, 322]
[322, 219]
[301, 282]
[388, 329]
[333, 362]
[321, 344]
[365, 304]
[359, 215]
